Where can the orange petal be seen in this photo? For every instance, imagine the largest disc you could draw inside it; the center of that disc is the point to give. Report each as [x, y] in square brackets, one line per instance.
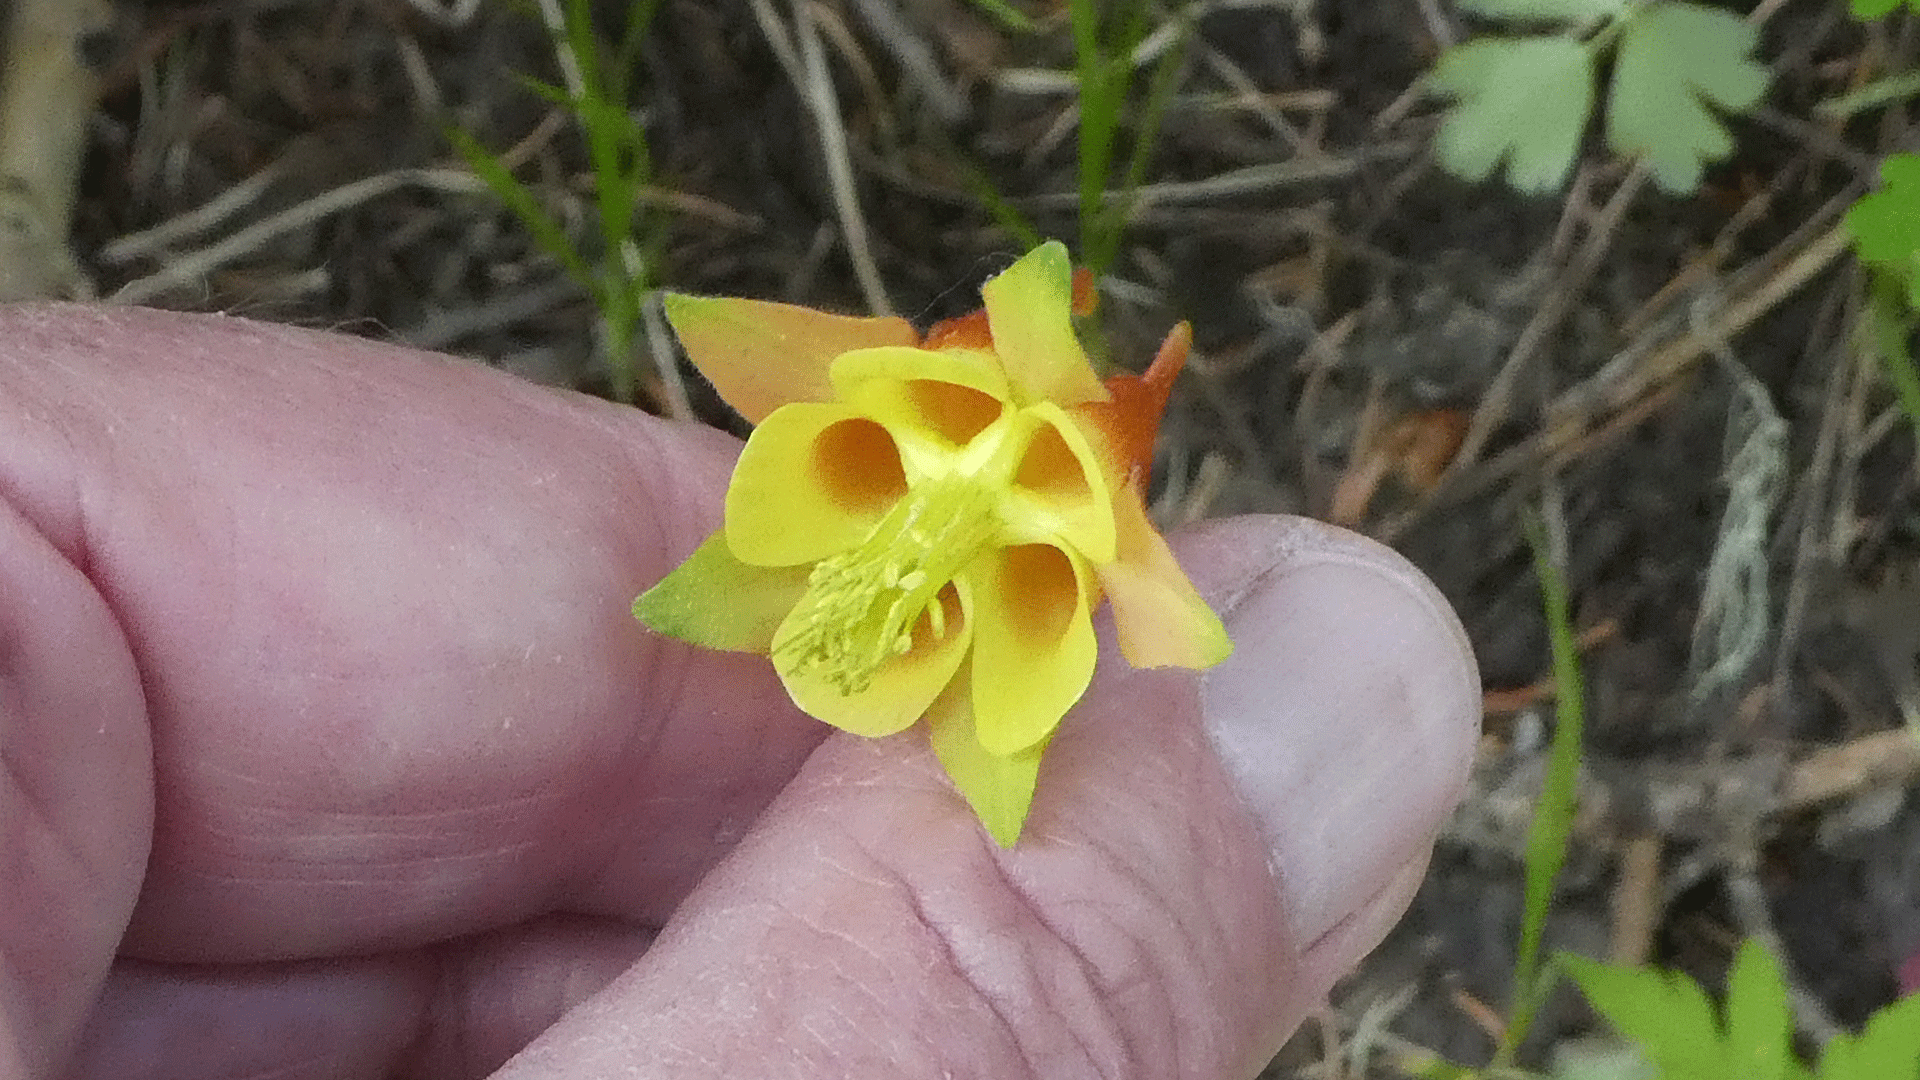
[1160, 619]
[900, 691]
[761, 355]
[717, 601]
[812, 481]
[1033, 643]
[1030, 308]
[999, 788]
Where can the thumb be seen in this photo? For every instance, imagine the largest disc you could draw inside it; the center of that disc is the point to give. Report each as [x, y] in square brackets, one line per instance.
[1204, 857]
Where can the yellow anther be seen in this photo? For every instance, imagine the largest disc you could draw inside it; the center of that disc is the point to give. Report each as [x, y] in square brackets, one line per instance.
[861, 606]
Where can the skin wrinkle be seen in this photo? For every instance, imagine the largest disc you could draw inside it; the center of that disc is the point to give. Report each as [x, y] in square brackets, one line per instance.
[1143, 982]
[446, 1017]
[59, 777]
[894, 883]
[1108, 989]
[940, 935]
[1132, 881]
[1111, 1035]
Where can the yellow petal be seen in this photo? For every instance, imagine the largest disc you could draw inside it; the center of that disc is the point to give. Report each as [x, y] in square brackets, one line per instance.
[1060, 491]
[1030, 308]
[1159, 618]
[761, 355]
[963, 367]
[900, 690]
[999, 788]
[813, 480]
[933, 402]
[1033, 643]
[715, 600]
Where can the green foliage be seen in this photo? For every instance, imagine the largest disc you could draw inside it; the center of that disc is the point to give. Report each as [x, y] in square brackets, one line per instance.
[1874, 9]
[1552, 830]
[1675, 60]
[1886, 236]
[1886, 224]
[1889, 1048]
[1669, 1017]
[1103, 47]
[1527, 100]
[619, 273]
[1008, 16]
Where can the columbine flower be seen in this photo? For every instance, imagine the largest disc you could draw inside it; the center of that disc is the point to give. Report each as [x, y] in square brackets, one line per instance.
[924, 527]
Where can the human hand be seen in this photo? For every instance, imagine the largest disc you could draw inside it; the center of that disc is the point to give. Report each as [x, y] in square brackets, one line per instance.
[331, 750]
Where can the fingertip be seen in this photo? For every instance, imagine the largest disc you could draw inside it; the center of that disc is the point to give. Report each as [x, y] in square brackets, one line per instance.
[1349, 713]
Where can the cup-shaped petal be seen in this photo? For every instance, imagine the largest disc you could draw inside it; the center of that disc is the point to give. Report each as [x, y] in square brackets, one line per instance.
[1158, 617]
[812, 481]
[1059, 490]
[761, 355]
[1033, 643]
[1030, 309]
[900, 691]
[998, 787]
[933, 402]
[966, 367]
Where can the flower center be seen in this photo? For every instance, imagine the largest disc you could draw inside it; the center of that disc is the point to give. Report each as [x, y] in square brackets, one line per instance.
[862, 606]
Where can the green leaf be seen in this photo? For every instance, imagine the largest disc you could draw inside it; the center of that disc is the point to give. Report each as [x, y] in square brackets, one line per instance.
[547, 232]
[1874, 9]
[1551, 833]
[1553, 11]
[1758, 1024]
[1886, 224]
[1665, 1012]
[1889, 1048]
[1889, 321]
[1525, 100]
[1675, 60]
[717, 601]
[1008, 16]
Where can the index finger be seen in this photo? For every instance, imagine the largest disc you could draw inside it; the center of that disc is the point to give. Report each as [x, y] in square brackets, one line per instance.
[377, 602]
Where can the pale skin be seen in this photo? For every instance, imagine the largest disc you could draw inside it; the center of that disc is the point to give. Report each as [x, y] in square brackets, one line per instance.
[331, 750]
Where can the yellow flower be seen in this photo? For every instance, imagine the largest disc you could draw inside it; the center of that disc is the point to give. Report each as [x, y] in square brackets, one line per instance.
[923, 527]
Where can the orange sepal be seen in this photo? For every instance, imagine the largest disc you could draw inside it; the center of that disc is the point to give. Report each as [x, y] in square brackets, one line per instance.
[1129, 420]
[967, 331]
[761, 355]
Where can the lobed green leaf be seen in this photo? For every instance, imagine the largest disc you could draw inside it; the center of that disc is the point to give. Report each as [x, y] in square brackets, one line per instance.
[1889, 1048]
[1665, 1012]
[1522, 100]
[1758, 1023]
[1675, 60]
[1874, 9]
[1886, 224]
